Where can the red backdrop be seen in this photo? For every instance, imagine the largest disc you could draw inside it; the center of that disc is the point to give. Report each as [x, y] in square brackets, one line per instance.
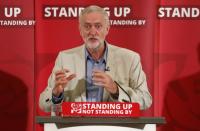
[178, 71]
[170, 52]
[17, 70]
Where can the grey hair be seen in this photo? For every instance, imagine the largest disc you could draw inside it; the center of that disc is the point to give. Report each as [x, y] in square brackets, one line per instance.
[94, 8]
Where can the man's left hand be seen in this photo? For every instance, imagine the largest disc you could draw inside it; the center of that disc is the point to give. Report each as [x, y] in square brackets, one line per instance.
[100, 78]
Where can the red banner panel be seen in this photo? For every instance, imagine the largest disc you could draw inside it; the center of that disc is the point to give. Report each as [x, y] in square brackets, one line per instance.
[99, 109]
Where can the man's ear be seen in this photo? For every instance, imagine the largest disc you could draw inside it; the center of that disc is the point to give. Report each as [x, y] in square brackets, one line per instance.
[108, 28]
[80, 31]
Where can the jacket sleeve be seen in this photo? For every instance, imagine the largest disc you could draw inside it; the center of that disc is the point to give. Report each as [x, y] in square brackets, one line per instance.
[137, 91]
[45, 99]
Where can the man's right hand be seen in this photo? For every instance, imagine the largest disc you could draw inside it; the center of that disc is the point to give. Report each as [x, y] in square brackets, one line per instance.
[62, 77]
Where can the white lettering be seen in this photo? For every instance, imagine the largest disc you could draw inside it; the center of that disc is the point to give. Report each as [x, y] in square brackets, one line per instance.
[47, 12]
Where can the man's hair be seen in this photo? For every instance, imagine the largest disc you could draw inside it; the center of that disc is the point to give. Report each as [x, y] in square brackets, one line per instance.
[91, 9]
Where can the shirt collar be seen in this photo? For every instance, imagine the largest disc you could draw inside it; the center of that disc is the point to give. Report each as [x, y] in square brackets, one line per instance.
[103, 58]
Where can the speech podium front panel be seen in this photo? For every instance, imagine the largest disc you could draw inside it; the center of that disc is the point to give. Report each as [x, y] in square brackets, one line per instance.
[56, 123]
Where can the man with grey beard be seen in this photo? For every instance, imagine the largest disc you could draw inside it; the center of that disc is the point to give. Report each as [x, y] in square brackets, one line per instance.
[96, 71]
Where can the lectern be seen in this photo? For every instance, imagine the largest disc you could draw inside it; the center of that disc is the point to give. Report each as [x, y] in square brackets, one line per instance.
[56, 123]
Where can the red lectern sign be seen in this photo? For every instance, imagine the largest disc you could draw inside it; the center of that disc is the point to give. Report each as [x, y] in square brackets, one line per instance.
[98, 109]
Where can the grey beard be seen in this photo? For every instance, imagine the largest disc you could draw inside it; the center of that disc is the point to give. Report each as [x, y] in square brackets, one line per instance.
[96, 48]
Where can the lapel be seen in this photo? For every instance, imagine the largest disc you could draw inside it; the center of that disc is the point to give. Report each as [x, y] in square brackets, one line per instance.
[111, 64]
[80, 70]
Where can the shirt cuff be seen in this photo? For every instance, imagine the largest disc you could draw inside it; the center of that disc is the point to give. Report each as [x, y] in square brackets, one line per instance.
[57, 99]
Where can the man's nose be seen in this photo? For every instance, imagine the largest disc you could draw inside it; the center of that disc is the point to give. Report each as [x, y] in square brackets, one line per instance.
[93, 31]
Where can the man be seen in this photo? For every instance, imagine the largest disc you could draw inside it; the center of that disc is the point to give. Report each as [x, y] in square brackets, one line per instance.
[96, 71]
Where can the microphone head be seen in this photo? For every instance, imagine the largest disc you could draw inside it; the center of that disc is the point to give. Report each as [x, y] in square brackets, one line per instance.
[107, 68]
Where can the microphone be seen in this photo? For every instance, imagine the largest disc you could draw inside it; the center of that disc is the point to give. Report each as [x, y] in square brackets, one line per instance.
[107, 68]
[124, 92]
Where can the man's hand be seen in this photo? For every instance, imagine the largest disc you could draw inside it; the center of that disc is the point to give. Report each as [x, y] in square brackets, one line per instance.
[100, 78]
[62, 77]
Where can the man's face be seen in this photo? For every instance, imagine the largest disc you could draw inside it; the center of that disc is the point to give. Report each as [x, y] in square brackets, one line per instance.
[93, 29]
